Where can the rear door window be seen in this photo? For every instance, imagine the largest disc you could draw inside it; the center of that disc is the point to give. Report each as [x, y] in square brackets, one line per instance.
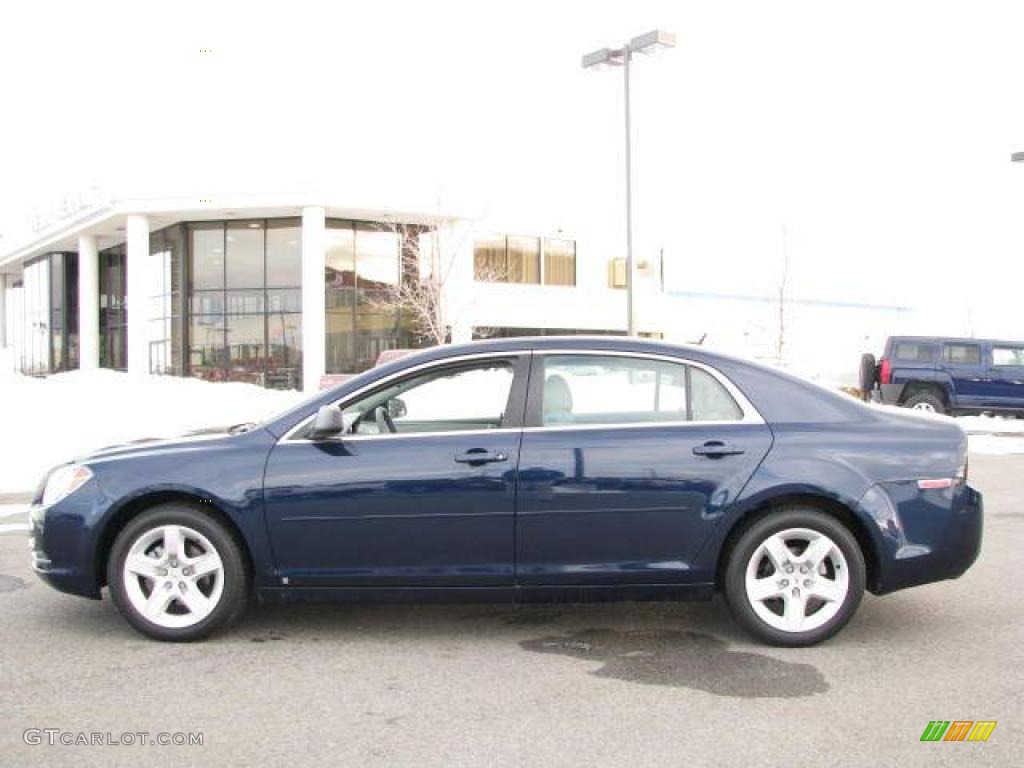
[614, 390]
[1008, 356]
[962, 354]
[913, 352]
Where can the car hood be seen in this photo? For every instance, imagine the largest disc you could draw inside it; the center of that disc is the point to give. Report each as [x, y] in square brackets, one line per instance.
[161, 444]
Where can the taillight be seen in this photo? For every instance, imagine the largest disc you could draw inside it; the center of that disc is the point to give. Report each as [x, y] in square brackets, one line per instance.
[885, 374]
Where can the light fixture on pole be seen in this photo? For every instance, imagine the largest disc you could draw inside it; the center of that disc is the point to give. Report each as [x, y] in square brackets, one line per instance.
[620, 57]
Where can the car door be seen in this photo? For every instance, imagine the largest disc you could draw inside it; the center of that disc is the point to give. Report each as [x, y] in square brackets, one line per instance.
[627, 463]
[1007, 375]
[968, 372]
[428, 504]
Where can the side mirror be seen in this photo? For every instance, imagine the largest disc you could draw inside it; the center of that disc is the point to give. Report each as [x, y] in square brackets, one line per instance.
[328, 423]
[397, 408]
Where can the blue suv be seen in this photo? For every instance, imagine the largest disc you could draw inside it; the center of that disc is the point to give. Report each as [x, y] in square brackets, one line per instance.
[947, 375]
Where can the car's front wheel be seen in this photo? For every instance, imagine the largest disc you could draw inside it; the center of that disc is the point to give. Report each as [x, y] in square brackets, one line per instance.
[795, 577]
[177, 574]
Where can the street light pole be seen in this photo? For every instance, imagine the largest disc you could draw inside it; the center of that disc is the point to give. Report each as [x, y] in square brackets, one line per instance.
[622, 57]
[630, 317]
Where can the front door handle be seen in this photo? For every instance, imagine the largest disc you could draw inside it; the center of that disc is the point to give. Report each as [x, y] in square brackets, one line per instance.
[479, 456]
[715, 449]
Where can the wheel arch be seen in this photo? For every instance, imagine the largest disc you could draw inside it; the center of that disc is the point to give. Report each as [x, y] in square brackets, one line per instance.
[135, 506]
[842, 513]
[939, 387]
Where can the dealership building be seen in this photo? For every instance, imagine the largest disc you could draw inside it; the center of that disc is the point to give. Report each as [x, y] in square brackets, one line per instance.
[280, 291]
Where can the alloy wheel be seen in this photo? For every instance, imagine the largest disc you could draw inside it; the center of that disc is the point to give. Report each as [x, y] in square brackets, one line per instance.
[797, 580]
[173, 576]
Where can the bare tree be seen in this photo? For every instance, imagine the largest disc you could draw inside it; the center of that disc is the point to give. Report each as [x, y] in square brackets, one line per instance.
[428, 261]
[782, 286]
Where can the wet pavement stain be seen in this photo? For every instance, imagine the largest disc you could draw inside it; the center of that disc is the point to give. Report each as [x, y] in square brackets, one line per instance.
[517, 617]
[268, 636]
[531, 618]
[11, 583]
[685, 660]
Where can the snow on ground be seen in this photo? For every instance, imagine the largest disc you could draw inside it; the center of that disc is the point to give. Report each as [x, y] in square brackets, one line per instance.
[49, 421]
[985, 434]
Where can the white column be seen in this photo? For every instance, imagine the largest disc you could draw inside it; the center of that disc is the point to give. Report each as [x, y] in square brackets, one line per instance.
[461, 295]
[3, 310]
[136, 262]
[314, 323]
[88, 303]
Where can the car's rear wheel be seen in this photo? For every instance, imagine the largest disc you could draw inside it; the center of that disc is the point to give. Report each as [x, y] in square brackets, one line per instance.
[177, 574]
[926, 401]
[795, 577]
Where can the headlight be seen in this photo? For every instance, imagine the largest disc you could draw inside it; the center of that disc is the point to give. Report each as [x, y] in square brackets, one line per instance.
[63, 482]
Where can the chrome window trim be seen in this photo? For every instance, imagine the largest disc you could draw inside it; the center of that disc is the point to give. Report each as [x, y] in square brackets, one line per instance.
[750, 413]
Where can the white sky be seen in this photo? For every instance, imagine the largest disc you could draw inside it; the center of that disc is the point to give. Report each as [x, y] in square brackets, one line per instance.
[878, 133]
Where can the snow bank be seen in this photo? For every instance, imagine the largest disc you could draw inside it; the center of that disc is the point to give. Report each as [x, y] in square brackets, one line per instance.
[48, 421]
[993, 435]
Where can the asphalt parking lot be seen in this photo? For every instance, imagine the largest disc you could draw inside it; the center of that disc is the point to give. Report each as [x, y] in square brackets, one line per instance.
[490, 685]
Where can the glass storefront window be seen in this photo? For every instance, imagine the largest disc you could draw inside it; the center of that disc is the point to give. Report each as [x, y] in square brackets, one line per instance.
[113, 318]
[284, 350]
[363, 266]
[206, 256]
[246, 247]
[377, 262]
[246, 348]
[63, 312]
[517, 259]
[523, 260]
[165, 276]
[245, 301]
[36, 296]
[489, 259]
[559, 262]
[284, 253]
[206, 353]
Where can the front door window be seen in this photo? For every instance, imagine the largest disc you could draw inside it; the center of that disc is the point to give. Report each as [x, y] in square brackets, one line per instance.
[452, 399]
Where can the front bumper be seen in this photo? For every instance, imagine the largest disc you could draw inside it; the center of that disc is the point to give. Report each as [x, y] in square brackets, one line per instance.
[936, 535]
[58, 555]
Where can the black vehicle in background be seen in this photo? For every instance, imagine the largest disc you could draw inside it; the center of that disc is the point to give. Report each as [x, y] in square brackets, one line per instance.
[947, 375]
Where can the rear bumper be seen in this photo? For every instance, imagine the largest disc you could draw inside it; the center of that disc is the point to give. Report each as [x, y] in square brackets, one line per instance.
[936, 536]
[890, 393]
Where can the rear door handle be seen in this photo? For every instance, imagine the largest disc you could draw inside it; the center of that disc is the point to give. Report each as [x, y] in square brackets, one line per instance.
[479, 456]
[715, 449]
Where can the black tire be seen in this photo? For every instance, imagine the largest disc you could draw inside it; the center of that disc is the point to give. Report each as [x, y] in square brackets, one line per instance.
[234, 573]
[751, 540]
[868, 374]
[926, 399]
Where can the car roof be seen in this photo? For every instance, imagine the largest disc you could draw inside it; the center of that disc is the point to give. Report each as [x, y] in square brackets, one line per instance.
[954, 340]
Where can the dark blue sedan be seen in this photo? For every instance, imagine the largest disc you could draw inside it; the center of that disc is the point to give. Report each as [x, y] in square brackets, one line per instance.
[570, 469]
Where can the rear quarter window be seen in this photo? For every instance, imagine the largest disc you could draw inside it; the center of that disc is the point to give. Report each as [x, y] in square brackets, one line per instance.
[913, 352]
[1008, 356]
[962, 354]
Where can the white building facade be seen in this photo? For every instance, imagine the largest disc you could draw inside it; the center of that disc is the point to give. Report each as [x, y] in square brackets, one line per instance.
[280, 291]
